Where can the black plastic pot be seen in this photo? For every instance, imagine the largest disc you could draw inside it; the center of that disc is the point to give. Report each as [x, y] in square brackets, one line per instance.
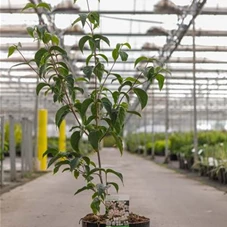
[89, 224]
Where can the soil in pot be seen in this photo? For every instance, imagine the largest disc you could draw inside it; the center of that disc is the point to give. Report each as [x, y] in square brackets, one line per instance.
[135, 220]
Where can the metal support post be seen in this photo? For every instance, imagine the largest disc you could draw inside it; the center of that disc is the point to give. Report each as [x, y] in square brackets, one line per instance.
[2, 150]
[12, 150]
[167, 124]
[42, 139]
[30, 146]
[145, 133]
[23, 148]
[62, 137]
[194, 97]
[153, 132]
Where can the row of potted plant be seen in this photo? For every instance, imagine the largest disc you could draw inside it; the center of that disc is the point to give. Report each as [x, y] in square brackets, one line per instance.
[142, 143]
[213, 162]
[212, 150]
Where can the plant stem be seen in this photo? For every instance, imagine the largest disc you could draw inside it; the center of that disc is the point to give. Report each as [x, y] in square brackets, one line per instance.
[96, 102]
[27, 62]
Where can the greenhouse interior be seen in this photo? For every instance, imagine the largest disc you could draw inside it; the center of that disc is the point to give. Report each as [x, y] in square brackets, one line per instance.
[184, 124]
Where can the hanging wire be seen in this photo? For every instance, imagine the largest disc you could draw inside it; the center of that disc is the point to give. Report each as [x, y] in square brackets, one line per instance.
[133, 20]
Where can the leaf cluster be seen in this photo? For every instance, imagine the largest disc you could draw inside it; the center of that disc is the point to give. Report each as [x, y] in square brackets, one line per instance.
[100, 113]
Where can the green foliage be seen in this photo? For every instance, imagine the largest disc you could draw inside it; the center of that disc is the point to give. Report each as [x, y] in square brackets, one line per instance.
[102, 112]
[179, 140]
[84, 147]
[160, 147]
[17, 136]
[183, 142]
[109, 141]
[212, 137]
[134, 141]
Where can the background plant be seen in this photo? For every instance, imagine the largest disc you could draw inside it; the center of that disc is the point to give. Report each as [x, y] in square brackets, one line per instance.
[102, 112]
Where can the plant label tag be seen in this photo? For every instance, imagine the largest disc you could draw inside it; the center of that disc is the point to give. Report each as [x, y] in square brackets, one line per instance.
[117, 210]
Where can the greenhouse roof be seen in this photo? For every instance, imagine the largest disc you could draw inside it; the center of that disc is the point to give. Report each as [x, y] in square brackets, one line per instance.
[161, 29]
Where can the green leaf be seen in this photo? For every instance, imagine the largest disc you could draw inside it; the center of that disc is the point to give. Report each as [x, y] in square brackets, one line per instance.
[121, 115]
[104, 57]
[113, 116]
[118, 77]
[104, 38]
[89, 120]
[99, 70]
[29, 5]
[40, 86]
[58, 49]
[66, 169]
[123, 55]
[125, 95]
[95, 205]
[160, 78]
[127, 44]
[93, 44]
[11, 50]
[81, 90]
[114, 184]
[83, 18]
[115, 54]
[142, 96]
[87, 160]
[138, 60]
[94, 195]
[63, 162]
[81, 79]
[56, 168]
[60, 115]
[85, 104]
[30, 31]
[62, 64]
[41, 29]
[94, 137]
[62, 71]
[133, 80]
[119, 142]
[55, 40]
[51, 151]
[76, 173]
[118, 174]
[75, 21]
[94, 18]
[39, 54]
[149, 73]
[47, 37]
[89, 186]
[88, 59]
[126, 83]
[44, 5]
[107, 104]
[115, 96]
[134, 112]
[81, 190]
[88, 70]
[54, 159]
[82, 42]
[74, 163]
[75, 140]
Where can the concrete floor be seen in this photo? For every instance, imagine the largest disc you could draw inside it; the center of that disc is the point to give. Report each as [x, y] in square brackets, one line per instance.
[168, 198]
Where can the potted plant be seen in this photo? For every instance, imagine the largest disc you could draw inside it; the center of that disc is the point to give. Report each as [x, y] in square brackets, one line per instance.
[102, 112]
